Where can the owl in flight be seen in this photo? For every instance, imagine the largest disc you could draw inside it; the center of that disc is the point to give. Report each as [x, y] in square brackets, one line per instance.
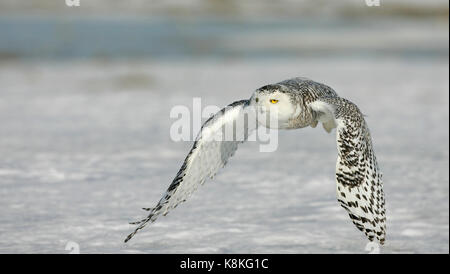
[290, 104]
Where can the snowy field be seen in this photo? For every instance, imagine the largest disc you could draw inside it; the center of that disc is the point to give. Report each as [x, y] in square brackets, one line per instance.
[86, 144]
[85, 101]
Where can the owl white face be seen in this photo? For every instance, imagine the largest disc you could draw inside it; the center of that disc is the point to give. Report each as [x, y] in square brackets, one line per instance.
[274, 109]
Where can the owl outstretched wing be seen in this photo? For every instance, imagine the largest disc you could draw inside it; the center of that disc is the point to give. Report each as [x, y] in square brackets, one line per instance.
[217, 141]
[358, 178]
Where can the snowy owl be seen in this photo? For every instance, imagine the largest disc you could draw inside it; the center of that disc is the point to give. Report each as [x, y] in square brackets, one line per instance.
[298, 103]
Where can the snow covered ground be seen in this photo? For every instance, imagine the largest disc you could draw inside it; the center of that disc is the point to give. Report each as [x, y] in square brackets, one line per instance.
[85, 98]
[86, 144]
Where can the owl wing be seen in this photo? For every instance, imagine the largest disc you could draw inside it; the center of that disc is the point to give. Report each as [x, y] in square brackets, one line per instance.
[217, 141]
[358, 178]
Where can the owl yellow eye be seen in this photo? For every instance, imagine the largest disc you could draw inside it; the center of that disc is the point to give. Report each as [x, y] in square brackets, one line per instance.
[273, 101]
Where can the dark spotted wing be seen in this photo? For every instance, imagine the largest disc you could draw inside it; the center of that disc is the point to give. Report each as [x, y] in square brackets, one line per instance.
[358, 178]
[211, 151]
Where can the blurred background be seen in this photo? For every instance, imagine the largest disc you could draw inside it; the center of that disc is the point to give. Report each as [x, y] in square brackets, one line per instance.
[85, 97]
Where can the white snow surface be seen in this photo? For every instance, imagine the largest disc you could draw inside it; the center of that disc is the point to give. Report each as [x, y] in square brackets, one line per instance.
[86, 144]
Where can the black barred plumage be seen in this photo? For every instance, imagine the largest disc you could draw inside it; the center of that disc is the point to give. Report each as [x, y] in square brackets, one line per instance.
[300, 102]
[359, 185]
[175, 194]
